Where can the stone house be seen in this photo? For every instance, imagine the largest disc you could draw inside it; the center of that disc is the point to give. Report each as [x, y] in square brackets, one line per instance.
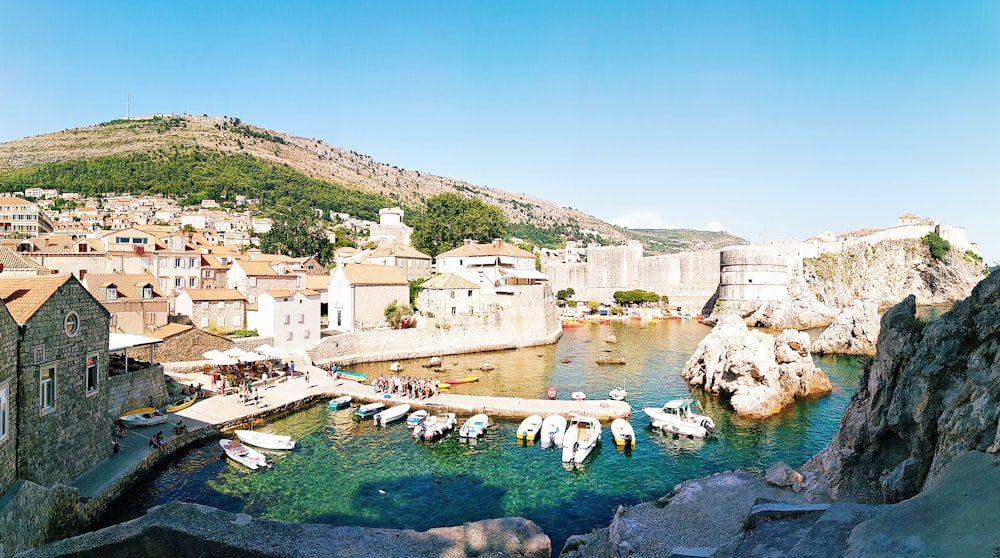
[252, 278]
[184, 343]
[136, 304]
[292, 318]
[60, 393]
[178, 263]
[496, 267]
[63, 254]
[448, 294]
[412, 262]
[13, 264]
[223, 309]
[8, 400]
[214, 269]
[359, 294]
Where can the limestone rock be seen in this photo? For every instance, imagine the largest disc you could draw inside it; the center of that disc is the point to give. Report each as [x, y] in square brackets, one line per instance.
[931, 394]
[758, 372]
[434, 361]
[784, 476]
[611, 339]
[854, 332]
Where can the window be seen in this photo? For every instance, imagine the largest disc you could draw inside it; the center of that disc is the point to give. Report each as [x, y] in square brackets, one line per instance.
[204, 322]
[147, 292]
[111, 293]
[287, 319]
[452, 294]
[302, 318]
[204, 305]
[47, 389]
[192, 282]
[236, 321]
[470, 292]
[177, 262]
[116, 262]
[178, 281]
[192, 262]
[306, 334]
[252, 281]
[207, 273]
[288, 336]
[72, 324]
[150, 318]
[222, 305]
[91, 374]
[236, 305]
[4, 411]
[40, 355]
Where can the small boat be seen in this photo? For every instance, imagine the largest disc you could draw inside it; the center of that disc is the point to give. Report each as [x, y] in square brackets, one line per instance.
[435, 426]
[340, 402]
[348, 375]
[623, 433]
[685, 417]
[582, 436]
[183, 403]
[244, 455]
[553, 430]
[465, 380]
[416, 417]
[552, 392]
[529, 428]
[144, 419]
[265, 440]
[392, 414]
[475, 427]
[618, 394]
[578, 396]
[369, 410]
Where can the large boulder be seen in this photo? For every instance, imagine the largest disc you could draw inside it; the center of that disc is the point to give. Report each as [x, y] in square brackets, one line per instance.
[854, 332]
[931, 394]
[760, 373]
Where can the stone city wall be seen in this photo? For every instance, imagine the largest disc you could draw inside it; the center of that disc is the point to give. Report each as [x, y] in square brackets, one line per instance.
[32, 515]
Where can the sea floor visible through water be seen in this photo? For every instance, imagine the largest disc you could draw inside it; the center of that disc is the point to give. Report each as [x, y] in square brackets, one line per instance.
[346, 472]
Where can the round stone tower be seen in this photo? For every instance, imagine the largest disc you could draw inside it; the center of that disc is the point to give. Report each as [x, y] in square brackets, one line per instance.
[752, 273]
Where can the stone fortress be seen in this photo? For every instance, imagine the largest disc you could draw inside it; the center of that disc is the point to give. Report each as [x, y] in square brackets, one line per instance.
[754, 273]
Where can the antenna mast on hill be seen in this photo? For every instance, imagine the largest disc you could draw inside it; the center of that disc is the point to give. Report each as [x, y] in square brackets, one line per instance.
[127, 95]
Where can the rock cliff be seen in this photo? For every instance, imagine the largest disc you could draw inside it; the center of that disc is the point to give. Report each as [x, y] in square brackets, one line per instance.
[882, 274]
[854, 332]
[760, 373]
[931, 394]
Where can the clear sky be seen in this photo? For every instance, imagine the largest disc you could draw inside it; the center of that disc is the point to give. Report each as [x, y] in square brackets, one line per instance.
[781, 118]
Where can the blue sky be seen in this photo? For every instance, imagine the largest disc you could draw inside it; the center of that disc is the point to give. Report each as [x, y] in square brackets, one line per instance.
[780, 119]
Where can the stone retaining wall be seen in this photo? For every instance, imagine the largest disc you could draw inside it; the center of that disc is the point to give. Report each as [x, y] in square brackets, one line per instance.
[32, 515]
[139, 388]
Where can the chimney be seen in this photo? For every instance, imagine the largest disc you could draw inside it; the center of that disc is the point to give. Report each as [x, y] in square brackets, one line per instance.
[497, 242]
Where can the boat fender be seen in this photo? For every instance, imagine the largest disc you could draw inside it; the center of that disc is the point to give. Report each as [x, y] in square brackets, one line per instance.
[706, 425]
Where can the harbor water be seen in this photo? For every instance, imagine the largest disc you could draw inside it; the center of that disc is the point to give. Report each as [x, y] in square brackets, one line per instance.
[345, 472]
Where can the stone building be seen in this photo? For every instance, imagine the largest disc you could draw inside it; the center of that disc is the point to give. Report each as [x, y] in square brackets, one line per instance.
[223, 309]
[184, 343]
[411, 262]
[252, 278]
[359, 294]
[8, 400]
[447, 294]
[136, 304]
[61, 253]
[60, 393]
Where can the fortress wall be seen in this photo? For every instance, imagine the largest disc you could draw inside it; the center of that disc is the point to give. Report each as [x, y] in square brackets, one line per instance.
[757, 273]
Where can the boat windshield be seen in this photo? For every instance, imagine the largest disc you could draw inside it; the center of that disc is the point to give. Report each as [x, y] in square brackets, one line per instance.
[696, 407]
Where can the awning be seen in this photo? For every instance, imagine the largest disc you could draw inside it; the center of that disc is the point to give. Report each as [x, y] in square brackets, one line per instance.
[119, 341]
[525, 274]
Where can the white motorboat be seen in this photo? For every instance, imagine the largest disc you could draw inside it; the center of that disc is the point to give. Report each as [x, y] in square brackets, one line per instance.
[475, 427]
[685, 417]
[582, 436]
[529, 428]
[618, 394]
[145, 418]
[435, 426]
[416, 417]
[244, 455]
[392, 414]
[340, 402]
[369, 410]
[553, 430]
[578, 396]
[623, 433]
[265, 440]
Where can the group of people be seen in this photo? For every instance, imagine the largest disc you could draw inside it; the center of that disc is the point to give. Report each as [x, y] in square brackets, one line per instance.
[158, 441]
[117, 433]
[415, 388]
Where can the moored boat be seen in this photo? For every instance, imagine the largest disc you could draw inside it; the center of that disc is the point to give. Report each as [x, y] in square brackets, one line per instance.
[552, 392]
[248, 457]
[144, 417]
[416, 417]
[265, 440]
[578, 396]
[369, 410]
[183, 403]
[474, 427]
[553, 430]
[348, 375]
[435, 426]
[582, 436]
[618, 394]
[465, 380]
[392, 414]
[529, 428]
[623, 433]
[685, 417]
[340, 402]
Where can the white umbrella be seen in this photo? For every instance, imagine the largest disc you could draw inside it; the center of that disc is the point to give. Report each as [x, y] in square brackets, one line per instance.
[218, 357]
[245, 356]
[270, 351]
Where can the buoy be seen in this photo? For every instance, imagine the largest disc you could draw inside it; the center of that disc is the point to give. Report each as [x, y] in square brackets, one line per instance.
[380, 491]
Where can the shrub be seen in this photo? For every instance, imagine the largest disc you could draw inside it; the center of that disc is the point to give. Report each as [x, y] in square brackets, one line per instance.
[937, 245]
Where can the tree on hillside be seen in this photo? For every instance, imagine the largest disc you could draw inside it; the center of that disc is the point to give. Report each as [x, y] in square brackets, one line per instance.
[450, 218]
[297, 232]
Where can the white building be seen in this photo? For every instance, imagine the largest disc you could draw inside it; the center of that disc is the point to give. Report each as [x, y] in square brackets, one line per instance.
[290, 317]
[359, 294]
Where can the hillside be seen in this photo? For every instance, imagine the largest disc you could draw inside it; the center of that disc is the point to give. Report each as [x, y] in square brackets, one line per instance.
[671, 241]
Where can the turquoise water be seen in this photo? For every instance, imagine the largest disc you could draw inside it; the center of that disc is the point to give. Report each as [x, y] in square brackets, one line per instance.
[349, 473]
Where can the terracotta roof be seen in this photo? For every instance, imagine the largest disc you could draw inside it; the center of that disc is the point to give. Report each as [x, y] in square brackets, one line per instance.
[199, 295]
[25, 295]
[362, 274]
[257, 268]
[497, 248]
[12, 260]
[398, 250]
[14, 201]
[169, 330]
[318, 282]
[448, 281]
[285, 293]
[129, 285]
